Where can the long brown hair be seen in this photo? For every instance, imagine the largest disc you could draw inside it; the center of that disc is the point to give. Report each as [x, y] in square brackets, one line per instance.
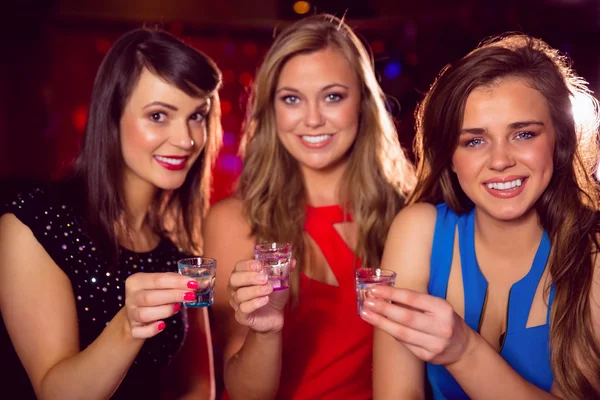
[99, 166]
[568, 207]
[378, 177]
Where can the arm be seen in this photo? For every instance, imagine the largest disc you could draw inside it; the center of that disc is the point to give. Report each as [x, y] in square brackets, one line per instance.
[428, 328]
[252, 360]
[44, 331]
[192, 373]
[397, 372]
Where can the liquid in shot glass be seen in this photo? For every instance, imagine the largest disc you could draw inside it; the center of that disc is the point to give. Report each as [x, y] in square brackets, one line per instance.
[275, 259]
[203, 270]
[367, 278]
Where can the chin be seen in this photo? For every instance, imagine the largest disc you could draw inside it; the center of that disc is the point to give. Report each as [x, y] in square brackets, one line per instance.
[508, 214]
[173, 185]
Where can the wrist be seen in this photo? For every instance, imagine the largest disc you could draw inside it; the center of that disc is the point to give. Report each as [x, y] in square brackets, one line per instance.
[124, 326]
[469, 348]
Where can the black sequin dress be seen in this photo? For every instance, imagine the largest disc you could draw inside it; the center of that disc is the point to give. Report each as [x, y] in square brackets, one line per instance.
[99, 290]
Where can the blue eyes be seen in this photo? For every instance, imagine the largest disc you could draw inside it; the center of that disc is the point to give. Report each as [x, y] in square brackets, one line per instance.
[477, 141]
[474, 142]
[524, 135]
[330, 98]
[290, 99]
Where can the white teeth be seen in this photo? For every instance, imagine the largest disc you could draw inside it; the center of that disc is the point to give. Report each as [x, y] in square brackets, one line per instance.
[505, 185]
[172, 161]
[315, 139]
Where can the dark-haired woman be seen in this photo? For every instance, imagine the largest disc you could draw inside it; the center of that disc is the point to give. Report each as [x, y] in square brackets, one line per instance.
[498, 289]
[89, 292]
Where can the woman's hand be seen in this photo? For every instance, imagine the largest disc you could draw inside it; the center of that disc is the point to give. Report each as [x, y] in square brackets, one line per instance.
[252, 297]
[152, 297]
[426, 325]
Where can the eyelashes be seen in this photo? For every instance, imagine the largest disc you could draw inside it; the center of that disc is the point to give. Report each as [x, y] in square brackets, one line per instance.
[478, 141]
[329, 98]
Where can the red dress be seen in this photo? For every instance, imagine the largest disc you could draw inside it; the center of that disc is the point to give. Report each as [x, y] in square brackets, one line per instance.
[327, 347]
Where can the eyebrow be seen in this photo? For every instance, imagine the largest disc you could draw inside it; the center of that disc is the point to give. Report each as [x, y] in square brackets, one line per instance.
[204, 105]
[290, 89]
[514, 125]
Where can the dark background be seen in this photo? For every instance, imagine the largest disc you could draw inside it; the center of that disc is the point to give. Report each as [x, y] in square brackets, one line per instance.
[50, 51]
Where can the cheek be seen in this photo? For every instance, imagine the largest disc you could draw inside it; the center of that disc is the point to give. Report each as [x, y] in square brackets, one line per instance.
[345, 116]
[539, 157]
[287, 119]
[138, 138]
[462, 164]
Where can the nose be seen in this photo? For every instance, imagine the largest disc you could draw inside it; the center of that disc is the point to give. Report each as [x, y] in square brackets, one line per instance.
[181, 136]
[314, 117]
[501, 157]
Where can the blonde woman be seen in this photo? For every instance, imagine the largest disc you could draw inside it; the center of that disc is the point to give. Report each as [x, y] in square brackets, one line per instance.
[323, 170]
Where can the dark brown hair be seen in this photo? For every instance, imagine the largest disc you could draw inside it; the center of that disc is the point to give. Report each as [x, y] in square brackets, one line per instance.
[100, 164]
[568, 207]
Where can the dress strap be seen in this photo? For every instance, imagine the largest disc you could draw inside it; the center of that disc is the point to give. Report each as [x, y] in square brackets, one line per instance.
[474, 283]
[442, 250]
[522, 292]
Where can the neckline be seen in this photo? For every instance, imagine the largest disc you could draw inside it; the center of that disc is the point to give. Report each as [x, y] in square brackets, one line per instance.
[332, 213]
[141, 253]
[475, 285]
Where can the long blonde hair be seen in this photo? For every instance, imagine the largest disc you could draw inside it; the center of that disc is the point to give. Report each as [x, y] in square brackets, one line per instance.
[378, 177]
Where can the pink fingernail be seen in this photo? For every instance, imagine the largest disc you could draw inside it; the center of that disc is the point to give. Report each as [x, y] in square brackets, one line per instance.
[369, 303]
[192, 285]
[176, 307]
[161, 326]
[189, 296]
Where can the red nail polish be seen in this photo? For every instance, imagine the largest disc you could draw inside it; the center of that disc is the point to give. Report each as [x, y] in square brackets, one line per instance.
[161, 326]
[189, 296]
[176, 307]
[192, 285]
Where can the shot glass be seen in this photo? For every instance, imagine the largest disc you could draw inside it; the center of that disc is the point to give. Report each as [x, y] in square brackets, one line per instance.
[204, 271]
[275, 259]
[366, 278]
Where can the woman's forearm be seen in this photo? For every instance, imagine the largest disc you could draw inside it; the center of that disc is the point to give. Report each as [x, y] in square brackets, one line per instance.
[484, 374]
[97, 371]
[254, 372]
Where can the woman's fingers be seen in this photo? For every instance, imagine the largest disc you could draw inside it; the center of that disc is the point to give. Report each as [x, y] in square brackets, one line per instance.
[411, 318]
[163, 280]
[398, 331]
[248, 307]
[410, 298]
[153, 298]
[241, 279]
[245, 294]
[148, 330]
[147, 315]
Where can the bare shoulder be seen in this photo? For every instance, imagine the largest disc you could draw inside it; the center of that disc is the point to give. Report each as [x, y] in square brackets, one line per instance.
[230, 208]
[12, 228]
[417, 219]
[227, 216]
[409, 244]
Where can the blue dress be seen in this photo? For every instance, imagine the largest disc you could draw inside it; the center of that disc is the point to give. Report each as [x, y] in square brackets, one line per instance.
[526, 350]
